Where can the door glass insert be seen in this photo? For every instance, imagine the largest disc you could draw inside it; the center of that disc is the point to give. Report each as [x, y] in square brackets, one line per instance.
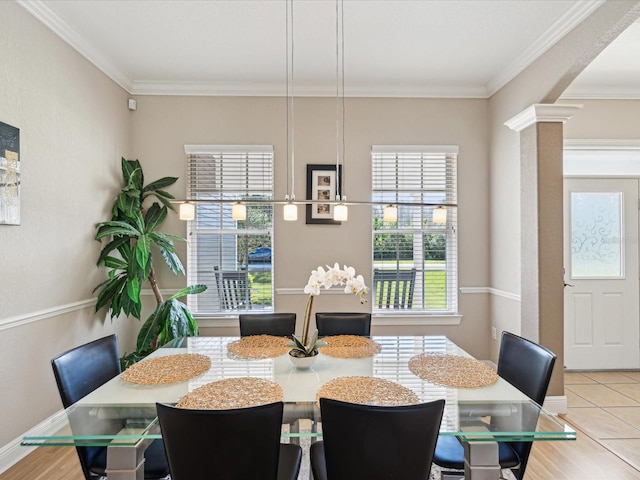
[596, 234]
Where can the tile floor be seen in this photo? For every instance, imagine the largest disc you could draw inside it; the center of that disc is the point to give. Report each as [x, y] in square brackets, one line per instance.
[606, 406]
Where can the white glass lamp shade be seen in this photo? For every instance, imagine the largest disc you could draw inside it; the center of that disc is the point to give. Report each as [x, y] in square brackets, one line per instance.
[239, 211]
[439, 215]
[340, 213]
[290, 212]
[390, 213]
[187, 211]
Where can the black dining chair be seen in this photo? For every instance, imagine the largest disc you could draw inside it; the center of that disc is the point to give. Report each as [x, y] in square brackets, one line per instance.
[370, 442]
[234, 444]
[343, 323]
[79, 372]
[528, 367]
[278, 324]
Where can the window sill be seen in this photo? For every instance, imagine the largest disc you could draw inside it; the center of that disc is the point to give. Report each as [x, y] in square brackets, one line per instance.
[417, 318]
[380, 319]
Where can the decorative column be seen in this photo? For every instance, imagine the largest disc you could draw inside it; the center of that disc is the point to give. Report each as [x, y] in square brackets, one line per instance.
[541, 228]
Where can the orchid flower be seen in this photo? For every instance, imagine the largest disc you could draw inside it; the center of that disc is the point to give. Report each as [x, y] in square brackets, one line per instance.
[332, 276]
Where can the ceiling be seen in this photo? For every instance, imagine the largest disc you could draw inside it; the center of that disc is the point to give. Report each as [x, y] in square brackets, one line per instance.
[414, 48]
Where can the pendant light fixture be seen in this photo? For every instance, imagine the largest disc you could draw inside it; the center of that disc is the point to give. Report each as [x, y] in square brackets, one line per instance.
[290, 208]
[339, 204]
[187, 211]
[390, 213]
[439, 215]
[239, 211]
[340, 210]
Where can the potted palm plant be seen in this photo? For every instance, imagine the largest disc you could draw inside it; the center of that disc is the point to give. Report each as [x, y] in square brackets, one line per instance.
[127, 255]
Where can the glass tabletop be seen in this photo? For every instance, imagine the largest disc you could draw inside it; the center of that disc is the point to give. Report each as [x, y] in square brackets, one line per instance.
[125, 412]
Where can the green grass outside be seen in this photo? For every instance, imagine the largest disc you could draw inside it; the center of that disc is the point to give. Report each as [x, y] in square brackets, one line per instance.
[435, 281]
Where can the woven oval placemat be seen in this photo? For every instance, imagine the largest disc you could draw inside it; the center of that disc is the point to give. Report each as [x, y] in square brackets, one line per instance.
[349, 346]
[167, 369]
[259, 346]
[369, 390]
[232, 393]
[452, 370]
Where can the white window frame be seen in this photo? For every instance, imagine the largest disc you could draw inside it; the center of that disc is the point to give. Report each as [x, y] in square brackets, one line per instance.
[228, 226]
[449, 314]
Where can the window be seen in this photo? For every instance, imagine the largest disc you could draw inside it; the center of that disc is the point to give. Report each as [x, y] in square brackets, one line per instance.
[233, 258]
[416, 256]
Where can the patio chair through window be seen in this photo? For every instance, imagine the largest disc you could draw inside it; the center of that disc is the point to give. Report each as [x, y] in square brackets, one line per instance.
[233, 289]
[393, 288]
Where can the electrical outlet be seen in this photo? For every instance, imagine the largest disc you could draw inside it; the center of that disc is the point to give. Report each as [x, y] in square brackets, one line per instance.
[494, 333]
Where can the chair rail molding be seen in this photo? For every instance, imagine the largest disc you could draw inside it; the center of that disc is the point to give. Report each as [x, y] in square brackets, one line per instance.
[492, 291]
[26, 318]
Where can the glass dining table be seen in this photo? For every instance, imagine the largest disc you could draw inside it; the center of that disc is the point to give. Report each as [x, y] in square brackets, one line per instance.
[121, 415]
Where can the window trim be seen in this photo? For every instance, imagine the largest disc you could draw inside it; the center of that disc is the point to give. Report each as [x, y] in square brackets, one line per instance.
[446, 317]
[222, 150]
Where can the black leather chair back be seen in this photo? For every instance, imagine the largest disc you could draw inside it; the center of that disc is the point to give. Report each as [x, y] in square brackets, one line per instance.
[278, 324]
[368, 442]
[79, 372]
[528, 367]
[235, 444]
[339, 323]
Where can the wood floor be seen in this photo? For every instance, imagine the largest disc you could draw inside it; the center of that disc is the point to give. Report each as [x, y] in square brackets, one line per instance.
[587, 458]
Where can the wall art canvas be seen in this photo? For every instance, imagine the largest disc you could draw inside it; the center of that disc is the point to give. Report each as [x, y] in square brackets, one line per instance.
[9, 175]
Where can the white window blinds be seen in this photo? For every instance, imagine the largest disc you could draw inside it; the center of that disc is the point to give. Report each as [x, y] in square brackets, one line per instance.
[232, 257]
[415, 258]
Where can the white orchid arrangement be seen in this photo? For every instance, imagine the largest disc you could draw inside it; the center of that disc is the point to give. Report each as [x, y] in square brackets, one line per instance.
[333, 276]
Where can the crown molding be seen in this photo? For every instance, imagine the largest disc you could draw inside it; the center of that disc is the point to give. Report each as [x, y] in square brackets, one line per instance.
[548, 39]
[542, 112]
[601, 92]
[256, 89]
[601, 144]
[42, 12]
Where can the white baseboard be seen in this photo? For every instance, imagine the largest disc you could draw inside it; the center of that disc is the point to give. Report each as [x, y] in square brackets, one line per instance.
[12, 453]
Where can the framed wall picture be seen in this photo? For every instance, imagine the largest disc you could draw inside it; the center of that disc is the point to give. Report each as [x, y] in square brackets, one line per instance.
[322, 181]
[9, 175]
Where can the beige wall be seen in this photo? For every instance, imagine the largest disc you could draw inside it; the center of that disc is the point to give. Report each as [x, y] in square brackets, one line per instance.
[74, 126]
[604, 120]
[163, 125]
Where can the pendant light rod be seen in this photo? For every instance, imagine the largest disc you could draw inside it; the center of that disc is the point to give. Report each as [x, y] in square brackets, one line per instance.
[286, 16]
[313, 202]
[293, 122]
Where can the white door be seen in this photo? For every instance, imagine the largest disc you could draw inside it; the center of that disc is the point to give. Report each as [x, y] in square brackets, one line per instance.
[601, 306]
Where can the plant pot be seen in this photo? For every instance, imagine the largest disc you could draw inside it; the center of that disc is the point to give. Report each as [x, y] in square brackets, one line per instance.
[304, 362]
